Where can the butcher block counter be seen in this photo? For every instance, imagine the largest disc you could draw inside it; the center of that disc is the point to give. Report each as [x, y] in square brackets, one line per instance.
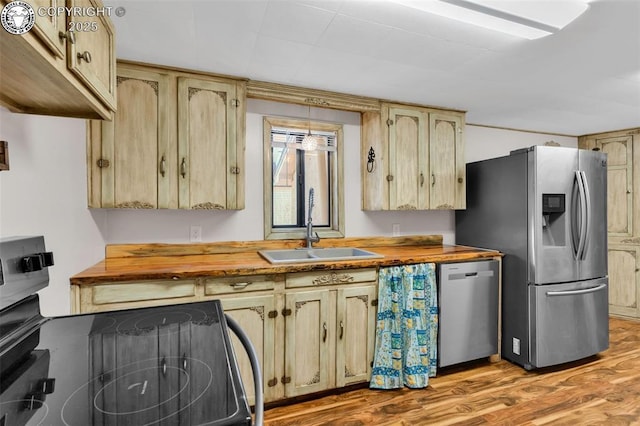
[136, 275]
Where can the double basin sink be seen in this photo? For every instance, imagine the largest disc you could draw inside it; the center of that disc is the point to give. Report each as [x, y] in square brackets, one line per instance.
[302, 255]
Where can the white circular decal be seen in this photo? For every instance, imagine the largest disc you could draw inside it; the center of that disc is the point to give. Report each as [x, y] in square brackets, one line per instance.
[18, 17]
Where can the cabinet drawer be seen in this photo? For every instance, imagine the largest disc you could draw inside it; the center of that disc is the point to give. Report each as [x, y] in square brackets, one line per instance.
[240, 284]
[348, 276]
[138, 291]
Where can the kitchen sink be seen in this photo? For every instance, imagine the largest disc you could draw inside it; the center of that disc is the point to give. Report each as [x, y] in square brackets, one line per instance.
[317, 254]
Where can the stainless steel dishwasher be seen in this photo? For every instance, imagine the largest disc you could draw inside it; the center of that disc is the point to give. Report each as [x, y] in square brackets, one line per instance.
[468, 301]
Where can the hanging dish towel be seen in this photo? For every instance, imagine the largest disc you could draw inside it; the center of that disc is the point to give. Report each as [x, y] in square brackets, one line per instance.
[407, 327]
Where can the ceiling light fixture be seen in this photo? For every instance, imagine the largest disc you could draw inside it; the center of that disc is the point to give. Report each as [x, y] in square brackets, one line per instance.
[526, 19]
[309, 142]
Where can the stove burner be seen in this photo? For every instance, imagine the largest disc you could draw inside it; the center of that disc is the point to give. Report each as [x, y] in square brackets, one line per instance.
[140, 384]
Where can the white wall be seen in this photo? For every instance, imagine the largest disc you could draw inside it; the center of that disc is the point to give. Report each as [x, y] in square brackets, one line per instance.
[45, 193]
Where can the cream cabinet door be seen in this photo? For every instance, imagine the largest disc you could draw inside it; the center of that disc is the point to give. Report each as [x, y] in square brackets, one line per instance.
[446, 162]
[408, 159]
[92, 58]
[619, 152]
[624, 288]
[210, 144]
[131, 163]
[355, 323]
[48, 28]
[308, 337]
[257, 315]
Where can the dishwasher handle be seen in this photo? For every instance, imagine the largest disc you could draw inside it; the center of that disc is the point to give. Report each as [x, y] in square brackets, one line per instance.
[470, 275]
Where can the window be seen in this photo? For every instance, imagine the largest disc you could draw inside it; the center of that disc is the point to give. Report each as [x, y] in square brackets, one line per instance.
[290, 172]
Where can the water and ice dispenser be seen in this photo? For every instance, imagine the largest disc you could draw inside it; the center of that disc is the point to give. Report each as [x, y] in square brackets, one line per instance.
[553, 219]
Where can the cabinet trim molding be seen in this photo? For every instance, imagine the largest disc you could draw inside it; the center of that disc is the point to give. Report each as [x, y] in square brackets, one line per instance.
[333, 278]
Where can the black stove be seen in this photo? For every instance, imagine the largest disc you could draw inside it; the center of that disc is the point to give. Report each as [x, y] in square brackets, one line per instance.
[170, 365]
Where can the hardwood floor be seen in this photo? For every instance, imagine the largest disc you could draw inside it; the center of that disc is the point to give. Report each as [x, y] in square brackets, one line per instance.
[602, 390]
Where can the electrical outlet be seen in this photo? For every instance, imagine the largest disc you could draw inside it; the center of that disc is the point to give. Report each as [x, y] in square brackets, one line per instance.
[196, 234]
[516, 346]
[395, 229]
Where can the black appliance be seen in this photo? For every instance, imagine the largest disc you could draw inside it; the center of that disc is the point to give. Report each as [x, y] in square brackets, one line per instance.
[170, 365]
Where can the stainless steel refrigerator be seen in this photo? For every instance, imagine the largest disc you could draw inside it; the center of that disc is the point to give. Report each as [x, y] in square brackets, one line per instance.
[545, 209]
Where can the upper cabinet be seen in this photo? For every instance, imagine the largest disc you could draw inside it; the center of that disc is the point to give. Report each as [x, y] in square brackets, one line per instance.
[211, 144]
[413, 159]
[177, 141]
[63, 66]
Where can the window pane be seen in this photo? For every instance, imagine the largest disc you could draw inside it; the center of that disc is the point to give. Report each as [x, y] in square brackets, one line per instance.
[295, 171]
[317, 176]
[285, 184]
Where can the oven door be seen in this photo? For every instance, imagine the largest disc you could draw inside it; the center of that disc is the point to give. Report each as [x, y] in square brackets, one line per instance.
[568, 321]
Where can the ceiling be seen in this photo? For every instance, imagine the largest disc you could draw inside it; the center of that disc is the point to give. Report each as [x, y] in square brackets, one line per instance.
[583, 79]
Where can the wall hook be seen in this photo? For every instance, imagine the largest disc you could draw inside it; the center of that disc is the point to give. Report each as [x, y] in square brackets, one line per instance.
[371, 158]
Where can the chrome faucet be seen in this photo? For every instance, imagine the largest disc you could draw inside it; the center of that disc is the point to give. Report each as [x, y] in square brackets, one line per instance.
[310, 237]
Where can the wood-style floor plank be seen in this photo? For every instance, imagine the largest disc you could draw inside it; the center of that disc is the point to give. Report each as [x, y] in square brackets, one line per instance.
[601, 390]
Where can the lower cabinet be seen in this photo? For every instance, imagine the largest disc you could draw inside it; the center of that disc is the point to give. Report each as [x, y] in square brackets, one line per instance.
[624, 279]
[312, 331]
[329, 329]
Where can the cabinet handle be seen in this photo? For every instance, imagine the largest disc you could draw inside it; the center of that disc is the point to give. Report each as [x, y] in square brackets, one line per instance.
[163, 163]
[239, 286]
[433, 179]
[85, 55]
[421, 179]
[163, 366]
[70, 36]
[183, 167]
[324, 332]
[341, 329]
[184, 362]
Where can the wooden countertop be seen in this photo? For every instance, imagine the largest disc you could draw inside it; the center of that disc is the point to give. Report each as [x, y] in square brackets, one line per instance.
[179, 261]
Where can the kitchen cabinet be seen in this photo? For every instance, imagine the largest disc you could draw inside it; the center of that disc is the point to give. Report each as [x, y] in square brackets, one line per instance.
[137, 294]
[253, 304]
[58, 68]
[312, 331]
[330, 325]
[419, 159]
[177, 141]
[130, 156]
[211, 144]
[623, 215]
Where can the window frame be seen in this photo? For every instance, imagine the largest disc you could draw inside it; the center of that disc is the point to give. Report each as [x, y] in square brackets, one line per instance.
[336, 227]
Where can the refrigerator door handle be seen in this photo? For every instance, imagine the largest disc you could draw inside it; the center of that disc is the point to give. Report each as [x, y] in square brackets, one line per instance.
[587, 215]
[583, 215]
[574, 292]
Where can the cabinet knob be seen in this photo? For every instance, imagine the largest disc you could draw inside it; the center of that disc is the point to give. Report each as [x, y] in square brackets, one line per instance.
[69, 36]
[86, 56]
[163, 163]
[239, 286]
[183, 168]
